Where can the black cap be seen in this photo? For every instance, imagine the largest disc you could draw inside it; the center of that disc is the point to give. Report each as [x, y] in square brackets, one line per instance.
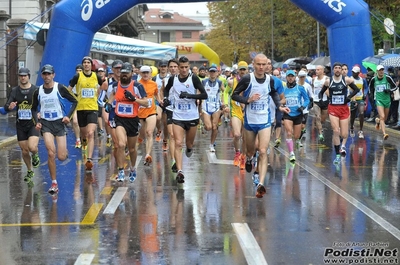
[87, 58]
[24, 71]
[47, 68]
[163, 63]
[202, 68]
[336, 64]
[117, 63]
[126, 68]
[78, 66]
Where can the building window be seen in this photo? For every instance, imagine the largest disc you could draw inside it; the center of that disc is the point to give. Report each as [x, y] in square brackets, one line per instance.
[186, 34]
[165, 37]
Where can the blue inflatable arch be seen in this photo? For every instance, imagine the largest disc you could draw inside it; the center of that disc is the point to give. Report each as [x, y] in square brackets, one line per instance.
[74, 23]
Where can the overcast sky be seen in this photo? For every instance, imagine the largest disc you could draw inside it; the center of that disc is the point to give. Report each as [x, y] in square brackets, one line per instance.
[185, 8]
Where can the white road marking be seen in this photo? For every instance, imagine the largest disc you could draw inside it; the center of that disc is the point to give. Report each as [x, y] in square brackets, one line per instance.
[65, 162]
[116, 200]
[84, 259]
[251, 249]
[212, 159]
[138, 159]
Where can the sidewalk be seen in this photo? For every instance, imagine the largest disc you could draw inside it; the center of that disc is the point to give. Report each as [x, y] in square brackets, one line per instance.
[7, 129]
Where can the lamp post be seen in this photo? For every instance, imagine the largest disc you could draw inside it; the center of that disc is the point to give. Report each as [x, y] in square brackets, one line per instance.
[272, 30]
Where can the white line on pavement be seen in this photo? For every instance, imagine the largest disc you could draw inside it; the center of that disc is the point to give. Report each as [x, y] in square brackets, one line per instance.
[212, 159]
[249, 245]
[115, 201]
[84, 259]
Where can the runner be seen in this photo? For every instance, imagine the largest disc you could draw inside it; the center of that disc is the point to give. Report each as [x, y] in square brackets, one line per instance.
[256, 88]
[21, 100]
[129, 95]
[75, 125]
[101, 72]
[302, 82]
[338, 109]
[51, 99]
[187, 89]
[320, 106]
[357, 104]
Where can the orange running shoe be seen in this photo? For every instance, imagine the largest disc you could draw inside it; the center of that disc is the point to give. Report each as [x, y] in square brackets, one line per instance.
[242, 163]
[148, 160]
[165, 146]
[236, 160]
[140, 140]
[89, 165]
[158, 136]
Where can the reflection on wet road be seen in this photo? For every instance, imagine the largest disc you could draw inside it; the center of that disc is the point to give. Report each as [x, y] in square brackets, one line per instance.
[313, 210]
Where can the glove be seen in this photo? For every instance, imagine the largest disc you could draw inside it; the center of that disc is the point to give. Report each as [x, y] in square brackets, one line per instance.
[166, 102]
[353, 104]
[300, 109]
[320, 95]
[184, 95]
[129, 96]
[311, 104]
[107, 107]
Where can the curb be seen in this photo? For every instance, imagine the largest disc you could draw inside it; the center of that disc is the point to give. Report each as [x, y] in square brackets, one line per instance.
[8, 141]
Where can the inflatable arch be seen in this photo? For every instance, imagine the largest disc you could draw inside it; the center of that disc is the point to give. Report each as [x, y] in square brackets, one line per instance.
[75, 22]
[195, 47]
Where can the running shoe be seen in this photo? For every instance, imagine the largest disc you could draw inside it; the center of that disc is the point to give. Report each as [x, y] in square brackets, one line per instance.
[236, 160]
[29, 175]
[53, 188]
[180, 178]
[148, 159]
[165, 146]
[158, 136]
[84, 144]
[89, 165]
[321, 137]
[212, 149]
[298, 144]
[132, 175]
[260, 190]
[140, 140]
[256, 178]
[377, 123]
[277, 142]
[35, 160]
[188, 152]
[385, 136]
[249, 165]
[101, 132]
[242, 163]
[360, 135]
[108, 141]
[30, 184]
[174, 168]
[292, 158]
[121, 175]
[78, 144]
[337, 160]
[352, 134]
[343, 151]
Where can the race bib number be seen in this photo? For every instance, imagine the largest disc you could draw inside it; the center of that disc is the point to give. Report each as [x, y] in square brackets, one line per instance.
[254, 106]
[49, 115]
[380, 88]
[292, 102]
[87, 93]
[126, 109]
[212, 99]
[338, 100]
[183, 106]
[24, 114]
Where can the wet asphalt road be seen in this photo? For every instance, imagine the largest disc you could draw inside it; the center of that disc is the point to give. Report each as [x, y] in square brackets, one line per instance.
[310, 209]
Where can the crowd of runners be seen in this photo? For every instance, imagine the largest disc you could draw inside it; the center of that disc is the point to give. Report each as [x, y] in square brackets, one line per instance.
[133, 105]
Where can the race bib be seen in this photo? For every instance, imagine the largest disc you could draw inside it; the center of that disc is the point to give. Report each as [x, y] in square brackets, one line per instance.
[87, 93]
[338, 100]
[24, 114]
[255, 106]
[126, 109]
[212, 99]
[49, 115]
[380, 88]
[292, 102]
[183, 106]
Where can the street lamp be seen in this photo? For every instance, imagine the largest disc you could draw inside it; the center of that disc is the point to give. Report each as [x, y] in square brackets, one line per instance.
[272, 30]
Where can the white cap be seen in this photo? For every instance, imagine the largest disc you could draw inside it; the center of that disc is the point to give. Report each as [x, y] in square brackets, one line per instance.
[100, 69]
[302, 73]
[145, 68]
[356, 69]
[228, 69]
[379, 67]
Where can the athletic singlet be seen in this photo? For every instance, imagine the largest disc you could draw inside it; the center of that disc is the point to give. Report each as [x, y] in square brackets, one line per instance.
[159, 80]
[213, 102]
[236, 108]
[318, 84]
[294, 99]
[185, 109]
[24, 99]
[50, 105]
[338, 92]
[86, 89]
[123, 107]
[360, 84]
[258, 112]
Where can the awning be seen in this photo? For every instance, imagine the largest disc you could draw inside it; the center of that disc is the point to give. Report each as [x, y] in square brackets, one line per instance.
[115, 45]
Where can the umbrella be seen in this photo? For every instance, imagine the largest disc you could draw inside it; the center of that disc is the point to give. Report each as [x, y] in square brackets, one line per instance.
[372, 61]
[324, 61]
[302, 60]
[393, 61]
[98, 64]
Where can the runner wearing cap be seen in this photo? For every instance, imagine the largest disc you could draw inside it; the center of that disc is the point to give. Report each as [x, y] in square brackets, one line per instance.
[148, 114]
[338, 109]
[75, 124]
[129, 95]
[302, 82]
[211, 107]
[381, 86]
[320, 106]
[86, 83]
[357, 104]
[21, 100]
[100, 128]
[186, 89]
[54, 114]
